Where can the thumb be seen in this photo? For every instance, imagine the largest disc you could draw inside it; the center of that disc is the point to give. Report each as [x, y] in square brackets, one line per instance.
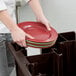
[48, 26]
[31, 37]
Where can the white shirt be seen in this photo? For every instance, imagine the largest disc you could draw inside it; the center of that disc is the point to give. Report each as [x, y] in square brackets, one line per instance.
[10, 6]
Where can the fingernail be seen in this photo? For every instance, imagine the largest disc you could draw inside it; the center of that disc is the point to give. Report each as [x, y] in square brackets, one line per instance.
[32, 37]
[49, 29]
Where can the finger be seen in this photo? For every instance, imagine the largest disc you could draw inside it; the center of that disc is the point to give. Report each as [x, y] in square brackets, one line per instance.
[29, 36]
[23, 43]
[50, 24]
[48, 27]
[19, 43]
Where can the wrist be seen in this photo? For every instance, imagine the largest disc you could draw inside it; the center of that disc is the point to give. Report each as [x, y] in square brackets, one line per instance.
[13, 29]
[40, 17]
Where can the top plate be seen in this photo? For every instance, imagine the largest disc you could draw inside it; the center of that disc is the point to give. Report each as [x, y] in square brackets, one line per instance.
[38, 31]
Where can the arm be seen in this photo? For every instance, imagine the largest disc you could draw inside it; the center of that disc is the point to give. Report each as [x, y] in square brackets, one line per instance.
[18, 35]
[7, 20]
[36, 7]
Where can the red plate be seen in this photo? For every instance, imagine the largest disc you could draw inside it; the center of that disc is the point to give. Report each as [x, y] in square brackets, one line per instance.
[37, 46]
[38, 31]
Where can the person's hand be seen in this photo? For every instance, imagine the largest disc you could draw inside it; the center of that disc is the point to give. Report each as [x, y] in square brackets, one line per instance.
[45, 22]
[18, 36]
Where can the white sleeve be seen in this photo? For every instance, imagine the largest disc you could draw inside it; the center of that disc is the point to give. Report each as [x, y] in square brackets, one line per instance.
[2, 5]
[27, 1]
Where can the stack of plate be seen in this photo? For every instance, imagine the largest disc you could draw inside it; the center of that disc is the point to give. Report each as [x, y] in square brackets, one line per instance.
[42, 37]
